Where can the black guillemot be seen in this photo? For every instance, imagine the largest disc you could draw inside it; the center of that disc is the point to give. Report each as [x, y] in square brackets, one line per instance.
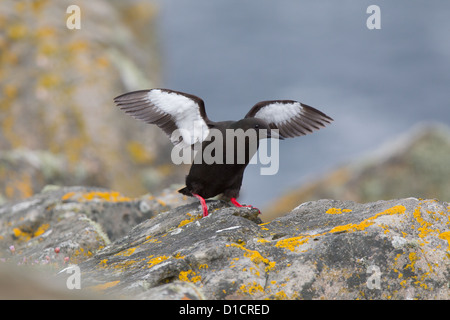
[183, 118]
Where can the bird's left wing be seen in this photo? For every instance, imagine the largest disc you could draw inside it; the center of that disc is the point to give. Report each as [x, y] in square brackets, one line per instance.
[290, 117]
[180, 115]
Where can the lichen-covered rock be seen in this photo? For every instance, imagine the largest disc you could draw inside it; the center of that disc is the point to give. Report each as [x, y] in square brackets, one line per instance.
[68, 225]
[326, 249]
[413, 164]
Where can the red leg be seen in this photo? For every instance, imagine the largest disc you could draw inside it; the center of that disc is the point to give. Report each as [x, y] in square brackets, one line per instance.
[203, 202]
[234, 201]
[237, 204]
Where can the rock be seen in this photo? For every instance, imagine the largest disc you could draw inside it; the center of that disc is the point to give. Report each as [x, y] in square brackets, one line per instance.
[325, 249]
[58, 122]
[77, 220]
[413, 164]
[23, 171]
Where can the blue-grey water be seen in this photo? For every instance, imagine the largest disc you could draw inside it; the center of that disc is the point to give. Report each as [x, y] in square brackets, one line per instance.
[376, 83]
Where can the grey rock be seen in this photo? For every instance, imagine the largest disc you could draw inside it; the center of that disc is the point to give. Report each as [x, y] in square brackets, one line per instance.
[68, 225]
[325, 249]
[177, 290]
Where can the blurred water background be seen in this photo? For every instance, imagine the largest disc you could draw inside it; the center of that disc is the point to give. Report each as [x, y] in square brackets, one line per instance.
[376, 84]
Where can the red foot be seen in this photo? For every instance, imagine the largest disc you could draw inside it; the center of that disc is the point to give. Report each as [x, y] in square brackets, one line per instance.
[237, 204]
[203, 202]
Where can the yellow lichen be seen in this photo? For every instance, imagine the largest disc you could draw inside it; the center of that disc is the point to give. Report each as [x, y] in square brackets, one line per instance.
[446, 236]
[251, 288]
[292, 243]
[126, 253]
[68, 195]
[122, 265]
[138, 153]
[154, 261]
[19, 186]
[413, 258]
[80, 255]
[161, 202]
[255, 256]
[186, 221]
[337, 211]
[280, 295]
[21, 235]
[17, 31]
[262, 226]
[42, 228]
[424, 229]
[104, 286]
[24, 236]
[109, 196]
[369, 221]
[178, 256]
[189, 276]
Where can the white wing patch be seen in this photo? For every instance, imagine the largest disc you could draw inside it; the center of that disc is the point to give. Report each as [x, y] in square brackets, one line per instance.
[185, 113]
[292, 118]
[279, 113]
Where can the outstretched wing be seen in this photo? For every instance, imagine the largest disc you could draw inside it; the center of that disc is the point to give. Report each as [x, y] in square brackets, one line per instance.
[290, 117]
[182, 116]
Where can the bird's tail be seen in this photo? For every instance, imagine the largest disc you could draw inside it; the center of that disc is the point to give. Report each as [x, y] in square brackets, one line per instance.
[185, 191]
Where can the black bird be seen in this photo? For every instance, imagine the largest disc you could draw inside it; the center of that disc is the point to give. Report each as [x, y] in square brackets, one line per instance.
[183, 118]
